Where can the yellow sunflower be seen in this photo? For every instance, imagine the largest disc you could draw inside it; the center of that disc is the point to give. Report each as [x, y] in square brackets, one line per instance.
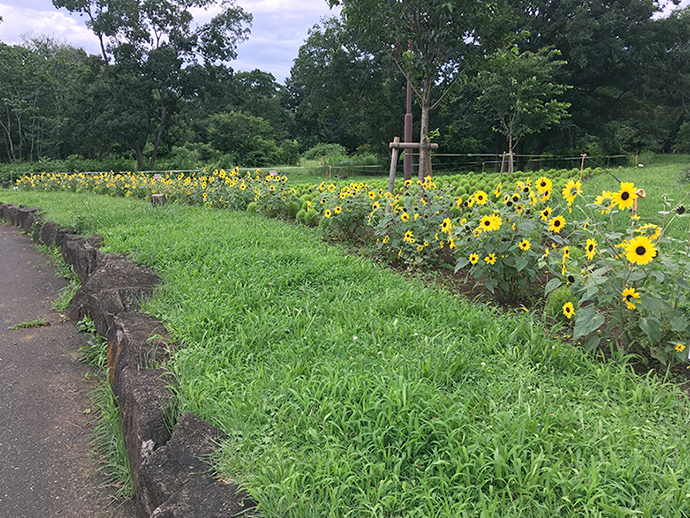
[556, 224]
[625, 198]
[480, 197]
[490, 222]
[546, 214]
[544, 185]
[571, 190]
[591, 248]
[327, 213]
[446, 226]
[404, 217]
[630, 297]
[338, 209]
[474, 259]
[524, 245]
[640, 250]
[680, 348]
[490, 259]
[568, 310]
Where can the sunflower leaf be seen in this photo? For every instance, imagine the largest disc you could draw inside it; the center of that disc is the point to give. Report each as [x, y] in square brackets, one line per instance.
[651, 327]
[587, 321]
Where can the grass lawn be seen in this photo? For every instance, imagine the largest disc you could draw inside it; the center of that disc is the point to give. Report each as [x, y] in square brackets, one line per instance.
[347, 390]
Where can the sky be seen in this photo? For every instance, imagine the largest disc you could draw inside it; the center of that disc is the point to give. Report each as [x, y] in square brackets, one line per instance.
[278, 30]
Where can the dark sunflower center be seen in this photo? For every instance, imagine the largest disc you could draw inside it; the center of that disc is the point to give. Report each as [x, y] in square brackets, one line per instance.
[571, 279]
[590, 247]
[625, 195]
[557, 223]
[640, 250]
[628, 297]
[487, 223]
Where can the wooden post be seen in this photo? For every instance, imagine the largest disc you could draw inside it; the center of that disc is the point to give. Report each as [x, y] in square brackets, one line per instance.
[396, 146]
[503, 163]
[394, 164]
[582, 165]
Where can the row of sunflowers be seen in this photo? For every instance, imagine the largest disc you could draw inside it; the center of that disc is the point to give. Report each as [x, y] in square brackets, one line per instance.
[605, 271]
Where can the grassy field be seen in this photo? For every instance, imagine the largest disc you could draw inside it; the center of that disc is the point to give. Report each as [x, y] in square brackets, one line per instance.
[347, 390]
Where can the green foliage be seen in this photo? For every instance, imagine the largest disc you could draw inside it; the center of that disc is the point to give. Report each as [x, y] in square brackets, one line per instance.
[556, 300]
[347, 390]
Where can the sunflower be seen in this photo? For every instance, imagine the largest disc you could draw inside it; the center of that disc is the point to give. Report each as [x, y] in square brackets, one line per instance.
[680, 348]
[524, 245]
[568, 310]
[544, 185]
[446, 226]
[404, 217]
[372, 195]
[556, 224]
[546, 214]
[497, 191]
[490, 222]
[327, 213]
[338, 209]
[458, 202]
[490, 259]
[640, 250]
[566, 252]
[625, 198]
[591, 248]
[409, 237]
[474, 259]
[630, 297]
[571, 190]
[420, 248]
[481, 197]
[376, 205]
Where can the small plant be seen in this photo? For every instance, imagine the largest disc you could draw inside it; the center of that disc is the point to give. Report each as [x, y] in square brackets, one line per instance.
[95, 351]
[109, 442]
[557, 299]
[41, 322]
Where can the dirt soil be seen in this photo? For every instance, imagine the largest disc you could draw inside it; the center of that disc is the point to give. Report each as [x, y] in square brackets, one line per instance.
[47, 464]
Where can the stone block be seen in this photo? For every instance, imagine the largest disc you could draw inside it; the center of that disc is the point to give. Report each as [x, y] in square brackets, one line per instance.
[136, 340]
[117, 285]
[178, 481]
[146, 409]
[26, 217]
[82, 254]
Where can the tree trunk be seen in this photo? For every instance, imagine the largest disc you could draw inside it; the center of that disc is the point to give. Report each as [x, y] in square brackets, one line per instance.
[423, 144]
[156, 143]
[140, 157]
[510, 152]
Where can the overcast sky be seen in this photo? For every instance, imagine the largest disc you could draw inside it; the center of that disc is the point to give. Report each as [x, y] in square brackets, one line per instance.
[278, 30]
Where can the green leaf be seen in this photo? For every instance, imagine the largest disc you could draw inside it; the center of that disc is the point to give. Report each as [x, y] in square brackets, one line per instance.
[587, 321]
[593, 342]
[651, 328]
[654, 305]
[682, 283]
[678, 324]
[520, 263]
[659, 276]
[637, 275]
[462, 262]
[552, 285]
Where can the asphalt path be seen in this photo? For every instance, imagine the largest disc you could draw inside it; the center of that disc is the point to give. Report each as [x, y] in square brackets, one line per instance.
[47, 464]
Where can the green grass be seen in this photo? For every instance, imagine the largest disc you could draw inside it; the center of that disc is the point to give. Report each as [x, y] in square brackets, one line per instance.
[348, 391]
[41, 322]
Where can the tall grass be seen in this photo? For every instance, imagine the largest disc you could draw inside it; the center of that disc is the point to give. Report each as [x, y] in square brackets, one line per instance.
[348, 391]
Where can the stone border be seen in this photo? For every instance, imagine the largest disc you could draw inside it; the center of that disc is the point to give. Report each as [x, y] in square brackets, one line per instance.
[171, 477]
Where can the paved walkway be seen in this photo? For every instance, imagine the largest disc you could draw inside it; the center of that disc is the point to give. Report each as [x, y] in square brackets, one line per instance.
[47, 467]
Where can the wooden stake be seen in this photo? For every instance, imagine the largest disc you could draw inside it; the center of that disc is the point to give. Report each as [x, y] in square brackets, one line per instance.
[394, 164]
[582, 165]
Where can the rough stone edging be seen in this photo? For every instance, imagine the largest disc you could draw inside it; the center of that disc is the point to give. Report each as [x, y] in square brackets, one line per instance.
[171, 477]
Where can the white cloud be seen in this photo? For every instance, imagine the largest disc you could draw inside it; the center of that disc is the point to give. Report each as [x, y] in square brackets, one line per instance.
[278, 30]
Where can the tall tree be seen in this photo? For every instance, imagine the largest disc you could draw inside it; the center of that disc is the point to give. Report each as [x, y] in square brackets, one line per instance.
[155, 40]
[518, 89]
[446, 37]
[340, 93]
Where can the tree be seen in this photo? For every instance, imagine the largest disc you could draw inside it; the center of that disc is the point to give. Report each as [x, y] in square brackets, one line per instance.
[518, 89]
[445, 37]
[340, 93]
[155, 40]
